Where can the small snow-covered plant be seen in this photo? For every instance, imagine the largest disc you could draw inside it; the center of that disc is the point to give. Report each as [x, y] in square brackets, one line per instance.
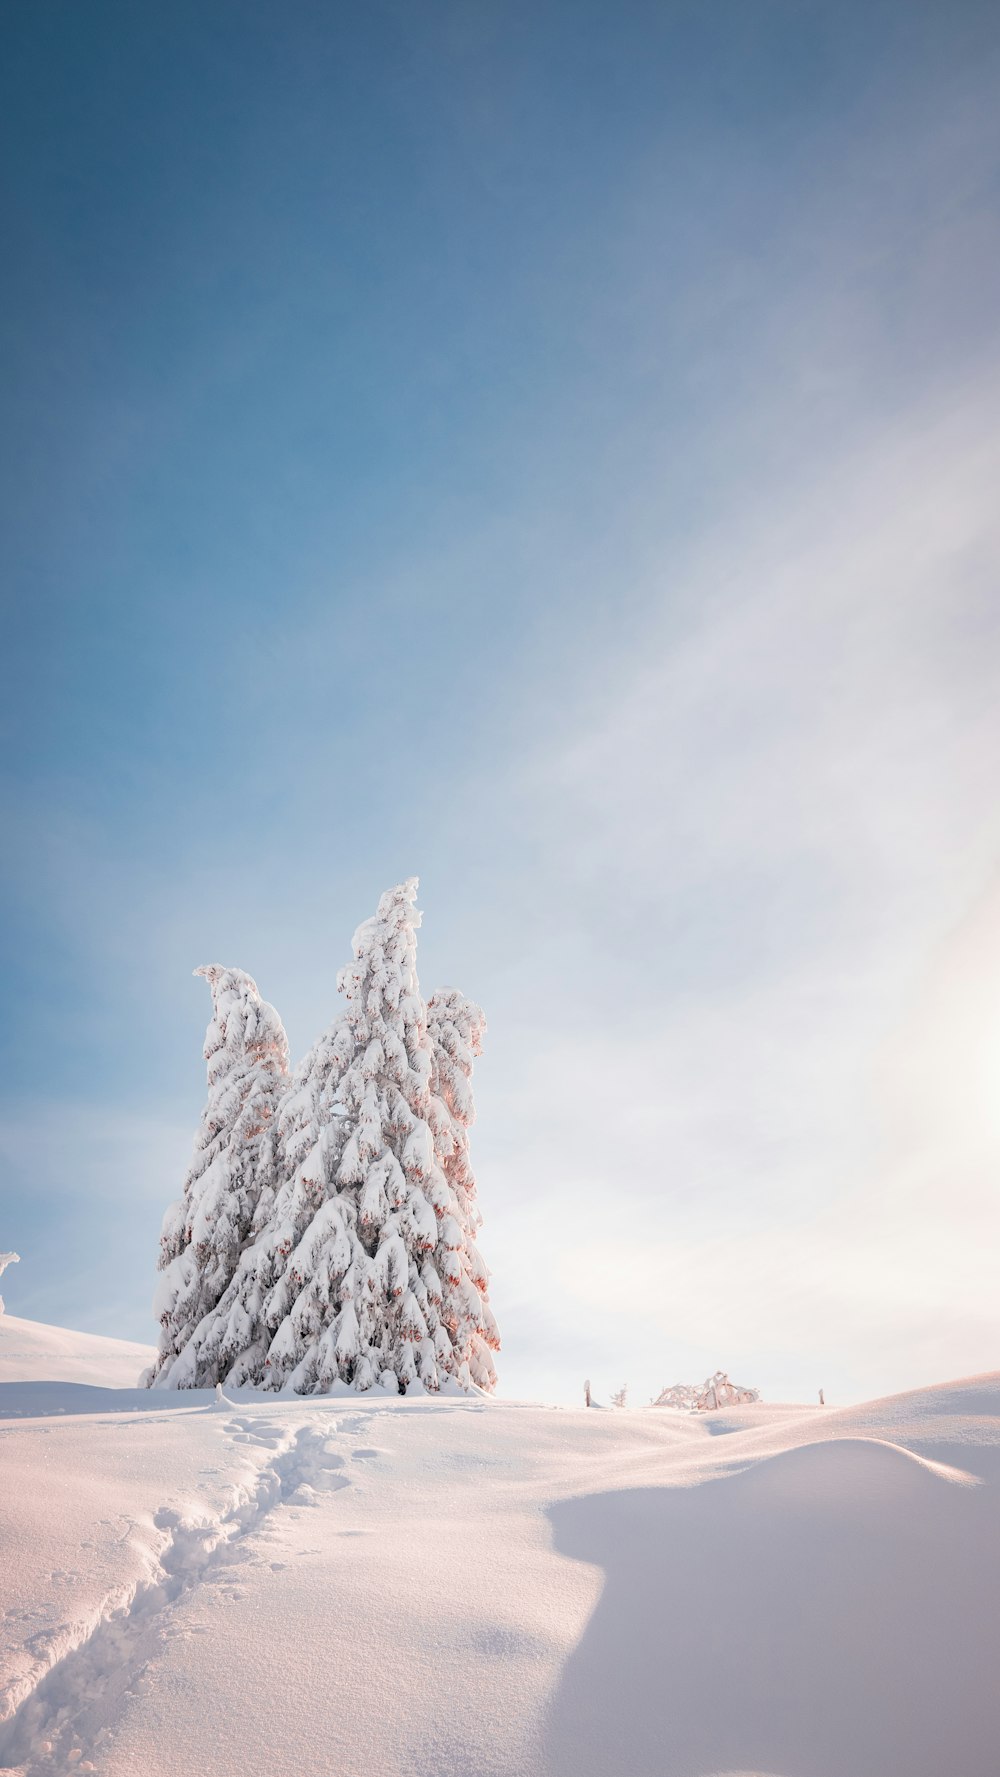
[718, 1391]
[5, 1260]
[206, 1231]
[619, 1398]
[704, 1397]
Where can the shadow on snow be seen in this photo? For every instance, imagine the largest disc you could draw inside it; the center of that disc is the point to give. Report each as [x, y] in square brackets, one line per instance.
[829, 1611]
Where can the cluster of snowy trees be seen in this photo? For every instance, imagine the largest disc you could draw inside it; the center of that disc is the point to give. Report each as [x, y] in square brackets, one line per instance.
[326, 1231]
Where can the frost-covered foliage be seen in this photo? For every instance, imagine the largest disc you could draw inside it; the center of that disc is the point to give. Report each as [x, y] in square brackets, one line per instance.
[357, 1265]
[308, 1140]
[456, 1027]
[356, 1221]
[705, 1397]
[5, 1260]
[232, 1174]
[381, 1284]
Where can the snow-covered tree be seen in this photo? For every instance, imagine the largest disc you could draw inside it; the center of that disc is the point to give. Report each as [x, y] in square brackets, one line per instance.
[309, 1138]
[5, 1260]
[365, 1271]
[456, 1027]
[358, 1297]
[356, 1262]
[231, 1178]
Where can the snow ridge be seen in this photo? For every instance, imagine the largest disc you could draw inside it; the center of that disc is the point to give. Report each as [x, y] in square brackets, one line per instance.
[63, 1715]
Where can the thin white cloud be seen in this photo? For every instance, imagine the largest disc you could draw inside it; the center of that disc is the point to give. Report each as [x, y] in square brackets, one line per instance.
[786, 1155]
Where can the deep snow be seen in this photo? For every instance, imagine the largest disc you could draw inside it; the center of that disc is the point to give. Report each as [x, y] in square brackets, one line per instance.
[469, 1588]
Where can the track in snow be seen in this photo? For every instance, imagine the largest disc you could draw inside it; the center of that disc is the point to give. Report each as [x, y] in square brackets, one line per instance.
[63, 1717]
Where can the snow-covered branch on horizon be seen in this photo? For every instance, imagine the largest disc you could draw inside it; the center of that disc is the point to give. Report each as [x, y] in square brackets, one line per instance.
[705, 1397]
[5, 1260]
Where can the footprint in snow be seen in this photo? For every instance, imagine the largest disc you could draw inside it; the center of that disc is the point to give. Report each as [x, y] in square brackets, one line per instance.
[357, 1422]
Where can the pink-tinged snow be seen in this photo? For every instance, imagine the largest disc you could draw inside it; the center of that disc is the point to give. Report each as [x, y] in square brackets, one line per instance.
[471, 1588]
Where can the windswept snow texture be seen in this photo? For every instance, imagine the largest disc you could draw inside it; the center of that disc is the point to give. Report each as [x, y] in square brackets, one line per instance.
[471, 1588]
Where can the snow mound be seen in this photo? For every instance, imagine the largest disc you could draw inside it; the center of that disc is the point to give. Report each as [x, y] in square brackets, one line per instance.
[30, 1351]
[809, 1590]
[848, 1475]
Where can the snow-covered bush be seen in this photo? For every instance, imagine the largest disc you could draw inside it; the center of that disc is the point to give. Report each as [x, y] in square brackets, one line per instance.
[5, 1260]
[704, 1397]
[232, 1173]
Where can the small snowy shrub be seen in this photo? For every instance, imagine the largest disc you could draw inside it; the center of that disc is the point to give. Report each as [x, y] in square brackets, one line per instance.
[705, 1397]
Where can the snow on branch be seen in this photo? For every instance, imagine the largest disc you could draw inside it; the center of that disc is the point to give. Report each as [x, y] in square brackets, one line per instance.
[5, 1260]
[705, 1397]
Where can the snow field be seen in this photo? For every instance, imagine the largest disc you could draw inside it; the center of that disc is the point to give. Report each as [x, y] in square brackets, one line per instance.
[471, 1588]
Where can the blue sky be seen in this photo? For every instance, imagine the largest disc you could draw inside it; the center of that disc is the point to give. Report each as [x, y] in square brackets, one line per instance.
[550, 449]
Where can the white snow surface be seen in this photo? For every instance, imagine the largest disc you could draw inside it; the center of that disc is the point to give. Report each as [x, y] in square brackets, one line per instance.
[30, 1351]
[466, 1587]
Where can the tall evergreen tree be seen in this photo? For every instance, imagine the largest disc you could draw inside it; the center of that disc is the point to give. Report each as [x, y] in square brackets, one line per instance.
[232, 1176]
[356, 1221]
[456, 1027]
[266, 1282]
[366, 1272]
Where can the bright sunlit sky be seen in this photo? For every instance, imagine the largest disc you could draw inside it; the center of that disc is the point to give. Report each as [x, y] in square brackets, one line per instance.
[551, 449]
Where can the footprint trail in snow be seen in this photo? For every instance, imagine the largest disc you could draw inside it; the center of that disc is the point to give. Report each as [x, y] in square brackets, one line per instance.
[63, 1720]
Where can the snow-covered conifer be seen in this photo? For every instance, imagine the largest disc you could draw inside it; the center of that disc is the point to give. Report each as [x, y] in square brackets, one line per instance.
[309, 1137]
[366, 1272]
[232, 1176]
[456, 1027]
[357, 1300]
